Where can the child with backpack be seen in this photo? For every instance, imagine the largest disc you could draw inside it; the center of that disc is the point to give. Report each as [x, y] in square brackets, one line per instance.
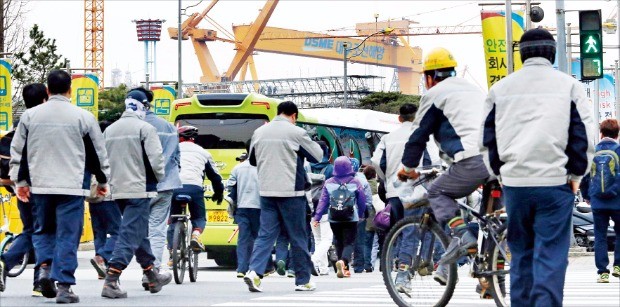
[601, 189]
[344, 202]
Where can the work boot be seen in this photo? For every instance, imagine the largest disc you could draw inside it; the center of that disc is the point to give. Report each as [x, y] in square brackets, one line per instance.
[441, 275]
[48, 287]
[195, 243]
[403, 279]
[99, 265]
[145, 280]
[157, 280]
[461, 245]
[65, 295]
[111, 288]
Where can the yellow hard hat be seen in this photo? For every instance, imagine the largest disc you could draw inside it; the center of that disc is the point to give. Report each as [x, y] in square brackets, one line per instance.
[439, 58]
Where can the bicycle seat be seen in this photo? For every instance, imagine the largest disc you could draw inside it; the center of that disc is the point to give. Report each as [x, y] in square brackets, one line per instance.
[183, 198]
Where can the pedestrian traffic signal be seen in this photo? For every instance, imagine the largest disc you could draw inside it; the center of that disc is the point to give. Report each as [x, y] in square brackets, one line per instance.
[591, 44]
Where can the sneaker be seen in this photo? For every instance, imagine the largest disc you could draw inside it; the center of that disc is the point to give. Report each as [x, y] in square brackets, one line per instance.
[315, 270]
[346, 273]
[310, 286]
[459, 246]
[48, 287]
[240, 274]
[323, 272]
[369, 269]
[441, 275]
[2, 276]
[403, 280]
[281, 267]
[340, 268]
[99, 265]
[603, 278]
[616, 272]
[195, 244]
[157, 280]
[36, 291]
[270, 272]
[111, 287]
[253, 282]
[290, 274]
[65, 295]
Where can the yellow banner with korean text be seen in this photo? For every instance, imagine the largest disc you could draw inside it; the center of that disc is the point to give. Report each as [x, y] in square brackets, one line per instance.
[494, 38]
[6, 98]
[85, 92]
[163, 96]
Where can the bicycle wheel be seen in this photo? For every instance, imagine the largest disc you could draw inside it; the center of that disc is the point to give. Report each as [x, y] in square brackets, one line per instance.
[192, 258]
[500, 258]
[21, 266]
[403, 240]
[179, 252]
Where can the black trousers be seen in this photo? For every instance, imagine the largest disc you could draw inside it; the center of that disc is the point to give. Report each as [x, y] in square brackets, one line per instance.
[344, 239]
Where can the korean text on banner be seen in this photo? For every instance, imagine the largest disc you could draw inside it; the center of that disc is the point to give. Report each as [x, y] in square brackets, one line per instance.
[6, 107]
[162, 100]
[494, 38]
[85, 92]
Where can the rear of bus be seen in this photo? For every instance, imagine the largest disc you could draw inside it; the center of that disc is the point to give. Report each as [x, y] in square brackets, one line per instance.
[225, 124]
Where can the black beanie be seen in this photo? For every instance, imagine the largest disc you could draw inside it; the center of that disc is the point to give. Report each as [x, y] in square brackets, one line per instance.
[537, 43]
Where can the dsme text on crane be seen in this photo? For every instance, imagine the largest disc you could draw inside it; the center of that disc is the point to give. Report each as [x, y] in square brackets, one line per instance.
[366, 51]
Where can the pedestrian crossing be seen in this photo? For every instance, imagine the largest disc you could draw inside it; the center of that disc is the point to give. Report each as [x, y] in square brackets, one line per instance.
[580, 290]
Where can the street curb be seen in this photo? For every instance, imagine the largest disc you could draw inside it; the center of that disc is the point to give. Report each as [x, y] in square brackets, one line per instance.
[86, 246]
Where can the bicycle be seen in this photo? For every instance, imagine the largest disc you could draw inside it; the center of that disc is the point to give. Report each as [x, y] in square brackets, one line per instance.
[491, 265]
[183, 257]
[10, 238]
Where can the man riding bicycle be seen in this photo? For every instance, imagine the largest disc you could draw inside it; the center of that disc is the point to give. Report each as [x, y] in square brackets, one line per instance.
[196, 162]
[451, 112]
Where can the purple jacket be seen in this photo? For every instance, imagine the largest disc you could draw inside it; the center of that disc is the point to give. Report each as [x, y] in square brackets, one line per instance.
[334, 183]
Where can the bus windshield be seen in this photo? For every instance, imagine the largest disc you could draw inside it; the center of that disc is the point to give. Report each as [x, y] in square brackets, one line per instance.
[223, 130]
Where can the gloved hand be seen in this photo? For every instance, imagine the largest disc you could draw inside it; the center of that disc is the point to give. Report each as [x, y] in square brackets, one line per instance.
[403, 175]
[218, 197]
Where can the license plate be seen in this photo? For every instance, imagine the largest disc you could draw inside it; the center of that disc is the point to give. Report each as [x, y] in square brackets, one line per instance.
[217, 216]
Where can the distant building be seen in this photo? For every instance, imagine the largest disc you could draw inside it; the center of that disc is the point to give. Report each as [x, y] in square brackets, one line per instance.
[117, 76]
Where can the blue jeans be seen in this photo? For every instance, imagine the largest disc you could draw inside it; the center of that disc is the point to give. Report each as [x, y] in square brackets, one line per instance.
[133, 235]
[23, 242]
[197, 208]
[410, 239]
[370, 238]
[539, 223]
[248, 221]
[360, 251]
[106, 220]
[601, 223]
[59, 220]
[158, 221]
[290, 212]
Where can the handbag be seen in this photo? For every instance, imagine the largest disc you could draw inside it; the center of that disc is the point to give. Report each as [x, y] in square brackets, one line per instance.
[382, 219]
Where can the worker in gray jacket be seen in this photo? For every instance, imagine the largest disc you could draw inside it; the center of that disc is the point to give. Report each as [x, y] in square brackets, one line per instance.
[279, 149]
[55, 150]
[449, 111]
[243, 192]
[538, 136]
[137, 164]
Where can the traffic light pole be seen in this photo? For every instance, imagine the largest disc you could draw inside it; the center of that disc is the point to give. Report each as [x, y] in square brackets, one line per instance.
[509, 47]
[561, 34]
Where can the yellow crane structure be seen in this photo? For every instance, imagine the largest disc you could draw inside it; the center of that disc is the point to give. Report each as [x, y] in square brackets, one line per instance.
[93, 37]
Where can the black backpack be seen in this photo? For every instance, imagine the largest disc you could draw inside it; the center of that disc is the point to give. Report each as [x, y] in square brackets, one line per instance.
[342, 204]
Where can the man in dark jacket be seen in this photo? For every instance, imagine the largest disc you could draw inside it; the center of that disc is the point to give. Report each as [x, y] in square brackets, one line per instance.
[604, 209]
[34, 94]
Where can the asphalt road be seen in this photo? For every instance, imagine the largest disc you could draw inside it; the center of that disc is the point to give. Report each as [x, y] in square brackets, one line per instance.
[220, 287]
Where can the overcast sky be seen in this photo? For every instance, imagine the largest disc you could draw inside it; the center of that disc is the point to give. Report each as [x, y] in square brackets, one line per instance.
[123, 51]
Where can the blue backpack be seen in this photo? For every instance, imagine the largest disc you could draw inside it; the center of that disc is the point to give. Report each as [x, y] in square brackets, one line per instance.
[605, 168]
[342, 204]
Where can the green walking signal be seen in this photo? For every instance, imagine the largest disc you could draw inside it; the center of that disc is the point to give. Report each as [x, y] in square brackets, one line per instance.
[591, 44]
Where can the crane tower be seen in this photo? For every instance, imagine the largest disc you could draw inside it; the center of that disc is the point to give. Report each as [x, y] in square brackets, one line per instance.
[93, 36]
